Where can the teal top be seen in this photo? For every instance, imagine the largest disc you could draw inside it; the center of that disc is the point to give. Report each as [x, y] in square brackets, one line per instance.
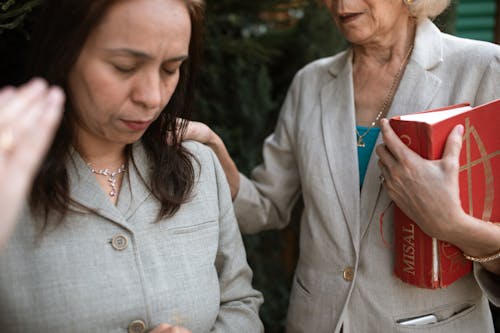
[365, 152]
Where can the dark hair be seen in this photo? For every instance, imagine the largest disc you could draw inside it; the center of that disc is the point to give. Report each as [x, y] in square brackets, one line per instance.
[59, 35]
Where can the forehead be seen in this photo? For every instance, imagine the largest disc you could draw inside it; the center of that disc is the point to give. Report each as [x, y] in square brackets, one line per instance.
[148, 25]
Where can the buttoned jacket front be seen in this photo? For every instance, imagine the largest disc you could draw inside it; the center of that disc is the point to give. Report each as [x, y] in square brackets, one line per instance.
[344, 274]
[120, 270]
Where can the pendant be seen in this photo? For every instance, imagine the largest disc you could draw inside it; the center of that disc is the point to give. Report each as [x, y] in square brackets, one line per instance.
[361, 144]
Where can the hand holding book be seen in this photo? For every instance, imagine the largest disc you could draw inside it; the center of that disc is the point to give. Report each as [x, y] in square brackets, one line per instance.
[410, 181]
[428, 192]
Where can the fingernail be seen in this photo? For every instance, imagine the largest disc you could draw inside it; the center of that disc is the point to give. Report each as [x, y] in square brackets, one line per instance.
[460, 129]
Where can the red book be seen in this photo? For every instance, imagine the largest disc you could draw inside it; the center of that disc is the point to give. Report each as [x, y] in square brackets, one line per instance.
[424, 261]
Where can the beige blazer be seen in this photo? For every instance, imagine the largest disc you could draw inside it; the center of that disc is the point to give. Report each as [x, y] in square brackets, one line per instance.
[345, 271]
[118, 271]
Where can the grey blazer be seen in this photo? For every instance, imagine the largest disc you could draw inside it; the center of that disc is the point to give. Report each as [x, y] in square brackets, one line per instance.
[107, 271]
[345, 271]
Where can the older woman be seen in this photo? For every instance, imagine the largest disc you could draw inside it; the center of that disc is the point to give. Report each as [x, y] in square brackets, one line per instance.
[123, 233]
[322, 148]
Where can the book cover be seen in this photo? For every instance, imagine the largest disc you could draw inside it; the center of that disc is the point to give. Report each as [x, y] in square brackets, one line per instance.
[420, 259]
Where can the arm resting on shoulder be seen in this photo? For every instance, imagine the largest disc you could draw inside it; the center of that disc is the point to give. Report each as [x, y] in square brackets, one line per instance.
[266, 200]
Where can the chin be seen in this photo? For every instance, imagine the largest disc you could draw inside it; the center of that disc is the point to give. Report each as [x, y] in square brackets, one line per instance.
[355, 36]
[138, 139]
[130, 139]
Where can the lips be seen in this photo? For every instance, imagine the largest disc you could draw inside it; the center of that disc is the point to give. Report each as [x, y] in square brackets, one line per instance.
[137, 125]
[348, 17]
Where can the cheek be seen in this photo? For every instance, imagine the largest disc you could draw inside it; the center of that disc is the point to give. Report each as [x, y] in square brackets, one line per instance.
[90, 86]
[96, 97]
[106, 86]
[171, 85]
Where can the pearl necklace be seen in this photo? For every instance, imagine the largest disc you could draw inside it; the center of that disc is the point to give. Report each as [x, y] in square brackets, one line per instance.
[112, 175]
[387, 101]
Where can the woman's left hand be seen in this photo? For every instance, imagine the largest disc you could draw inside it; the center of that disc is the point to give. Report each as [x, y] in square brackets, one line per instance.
[427, 191]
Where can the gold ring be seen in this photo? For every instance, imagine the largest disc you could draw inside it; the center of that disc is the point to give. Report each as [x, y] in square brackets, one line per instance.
[6, 140]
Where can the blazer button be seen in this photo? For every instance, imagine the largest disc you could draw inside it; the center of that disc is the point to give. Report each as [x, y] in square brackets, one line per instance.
[137, 326]
[348, 273]
[119, 242]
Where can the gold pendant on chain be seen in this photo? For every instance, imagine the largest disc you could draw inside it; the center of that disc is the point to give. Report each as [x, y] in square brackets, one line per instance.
[361, 142]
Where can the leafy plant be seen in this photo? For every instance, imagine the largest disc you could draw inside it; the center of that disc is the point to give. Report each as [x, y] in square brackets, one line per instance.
[13, 13]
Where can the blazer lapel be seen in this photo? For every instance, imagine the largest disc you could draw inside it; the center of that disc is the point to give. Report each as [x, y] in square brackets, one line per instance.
[417, 90]
[337, 111]
[85, 191]
[137, 188]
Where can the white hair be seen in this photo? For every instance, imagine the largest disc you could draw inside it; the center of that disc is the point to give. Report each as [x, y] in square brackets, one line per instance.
[421, 9]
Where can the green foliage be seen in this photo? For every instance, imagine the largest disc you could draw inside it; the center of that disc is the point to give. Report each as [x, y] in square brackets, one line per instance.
[13, 13]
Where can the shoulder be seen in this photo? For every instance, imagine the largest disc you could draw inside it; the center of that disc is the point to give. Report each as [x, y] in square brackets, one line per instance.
[205, 163]
[475, 63]
[472, 50]
[202, 153]
[324, 66]
[313, 76]
[433, 47]
[211, 181]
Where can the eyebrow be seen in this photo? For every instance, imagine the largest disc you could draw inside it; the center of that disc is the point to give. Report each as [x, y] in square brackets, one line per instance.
[142, 55]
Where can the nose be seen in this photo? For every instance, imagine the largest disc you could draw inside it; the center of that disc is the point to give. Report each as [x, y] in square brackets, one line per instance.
[148, 91]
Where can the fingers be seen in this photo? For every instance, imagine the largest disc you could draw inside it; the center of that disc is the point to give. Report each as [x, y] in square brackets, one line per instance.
[15, 102]
[392, 153]
[454, 143]
[188, 130]
[391, 140]
[198, 132]
[5, 95]
[386, 159]
[40, 127]
[38, 110]
[394, 144]
[28, 119]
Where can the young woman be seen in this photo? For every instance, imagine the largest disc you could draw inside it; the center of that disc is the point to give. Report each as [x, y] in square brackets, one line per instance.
[124, 233]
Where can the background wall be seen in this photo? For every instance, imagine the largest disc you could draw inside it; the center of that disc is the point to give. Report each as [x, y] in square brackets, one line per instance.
[476, 19]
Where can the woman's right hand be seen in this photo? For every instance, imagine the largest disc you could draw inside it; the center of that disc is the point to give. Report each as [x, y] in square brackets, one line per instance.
[202, 133]
[29, 116]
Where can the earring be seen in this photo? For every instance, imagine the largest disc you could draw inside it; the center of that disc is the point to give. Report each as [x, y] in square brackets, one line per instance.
[408, 2]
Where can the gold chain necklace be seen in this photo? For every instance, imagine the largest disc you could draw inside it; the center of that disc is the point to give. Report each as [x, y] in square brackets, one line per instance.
[387, 101]
[112, 175]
